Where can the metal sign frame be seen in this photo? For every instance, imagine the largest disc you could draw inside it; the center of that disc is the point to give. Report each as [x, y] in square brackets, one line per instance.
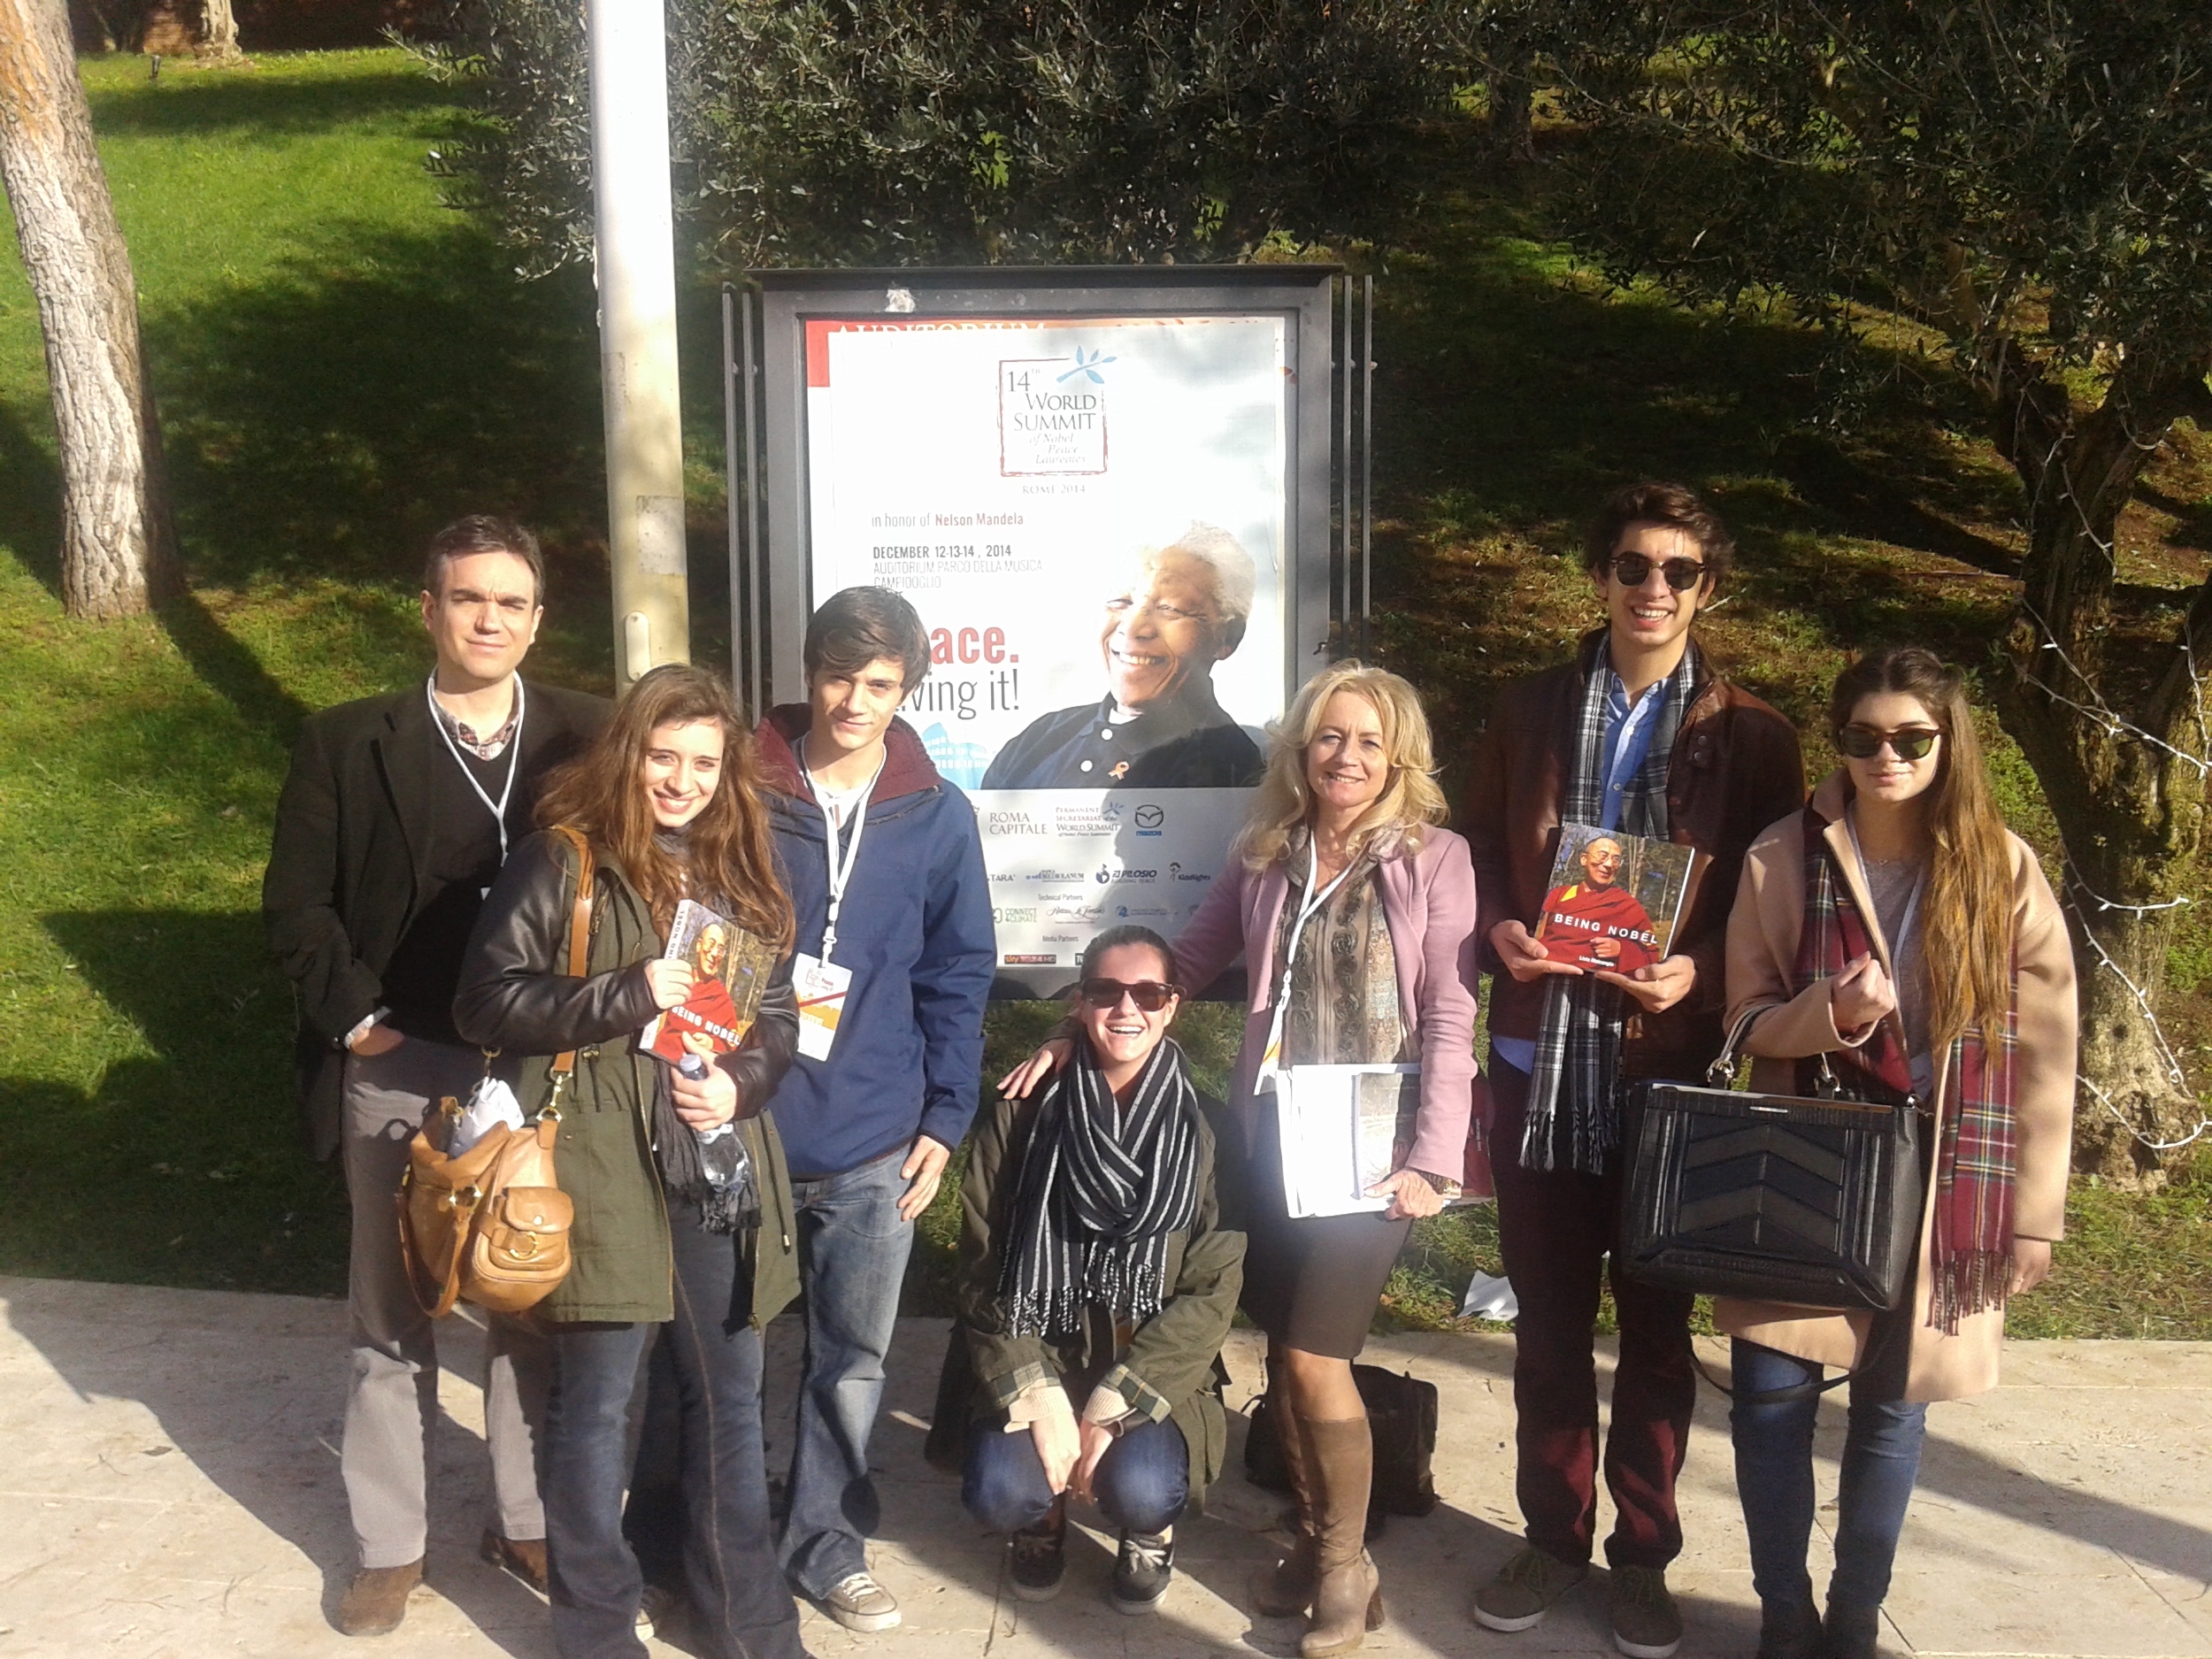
[1326, 522]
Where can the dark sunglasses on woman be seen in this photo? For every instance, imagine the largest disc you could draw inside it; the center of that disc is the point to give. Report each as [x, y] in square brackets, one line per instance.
[1863, 743]
[1633, 570]
[1149, 994]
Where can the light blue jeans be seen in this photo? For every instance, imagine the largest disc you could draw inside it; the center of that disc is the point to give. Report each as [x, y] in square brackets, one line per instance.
[852, 1260]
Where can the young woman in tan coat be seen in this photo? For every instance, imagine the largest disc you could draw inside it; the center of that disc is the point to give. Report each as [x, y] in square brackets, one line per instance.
[1896, 926]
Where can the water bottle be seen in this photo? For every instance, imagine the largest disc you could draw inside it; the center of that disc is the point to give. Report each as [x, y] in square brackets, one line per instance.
[720, 1153]
[695, 1068]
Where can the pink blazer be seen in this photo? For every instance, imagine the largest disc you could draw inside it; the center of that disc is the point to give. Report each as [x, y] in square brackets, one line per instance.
[1429, 898]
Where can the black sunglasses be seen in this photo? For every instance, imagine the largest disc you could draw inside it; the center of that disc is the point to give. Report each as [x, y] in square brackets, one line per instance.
[1149, 994]
[1633, 570]
[1863, 743]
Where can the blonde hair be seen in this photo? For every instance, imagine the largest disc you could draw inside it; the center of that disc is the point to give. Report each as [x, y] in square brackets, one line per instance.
[1411, 799]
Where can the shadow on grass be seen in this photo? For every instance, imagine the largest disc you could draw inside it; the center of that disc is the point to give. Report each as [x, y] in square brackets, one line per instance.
[184, 1166]
[1512, 396]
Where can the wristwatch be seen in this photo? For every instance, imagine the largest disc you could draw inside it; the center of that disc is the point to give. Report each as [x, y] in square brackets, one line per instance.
[1443, 1185]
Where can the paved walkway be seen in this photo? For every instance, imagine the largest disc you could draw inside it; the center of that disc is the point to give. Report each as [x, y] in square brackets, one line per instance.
[169, 1488]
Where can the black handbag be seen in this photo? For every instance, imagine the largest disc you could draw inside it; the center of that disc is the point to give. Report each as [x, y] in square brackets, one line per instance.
[1811, 1201]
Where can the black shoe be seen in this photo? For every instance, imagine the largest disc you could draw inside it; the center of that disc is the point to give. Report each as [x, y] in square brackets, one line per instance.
[1039, 1560]
[1144, 1571]
[1789, 1630]
[1850, 1633]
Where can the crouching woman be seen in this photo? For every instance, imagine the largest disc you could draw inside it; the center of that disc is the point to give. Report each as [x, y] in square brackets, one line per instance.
[1101, 1258]
[666, 801]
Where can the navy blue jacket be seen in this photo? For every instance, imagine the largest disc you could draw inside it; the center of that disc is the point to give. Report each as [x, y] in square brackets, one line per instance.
[916, 930]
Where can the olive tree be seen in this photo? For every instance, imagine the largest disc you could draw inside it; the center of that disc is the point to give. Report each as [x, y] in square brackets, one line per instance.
[2029, 182]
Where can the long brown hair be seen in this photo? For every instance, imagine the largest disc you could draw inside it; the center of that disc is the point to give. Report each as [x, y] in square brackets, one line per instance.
[1409, 802]
[601, 794]
[1969, 920]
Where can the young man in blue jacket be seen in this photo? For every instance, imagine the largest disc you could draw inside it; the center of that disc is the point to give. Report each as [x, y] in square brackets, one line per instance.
[895, 956]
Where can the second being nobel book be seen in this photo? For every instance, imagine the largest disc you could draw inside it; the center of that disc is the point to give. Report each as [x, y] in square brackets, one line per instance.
[1614, 899]
[730, 969]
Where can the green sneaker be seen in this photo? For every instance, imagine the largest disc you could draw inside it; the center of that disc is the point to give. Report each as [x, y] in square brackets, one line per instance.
[1525, 1587]
[1646, 1623]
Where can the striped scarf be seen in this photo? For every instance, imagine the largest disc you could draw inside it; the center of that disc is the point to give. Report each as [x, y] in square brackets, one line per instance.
[1101, 1186]
[1976, 1145]
[1579, 1046]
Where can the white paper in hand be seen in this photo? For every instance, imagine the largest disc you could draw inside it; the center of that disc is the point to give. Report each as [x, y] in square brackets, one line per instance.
[1489, 1298]
[490, 1102]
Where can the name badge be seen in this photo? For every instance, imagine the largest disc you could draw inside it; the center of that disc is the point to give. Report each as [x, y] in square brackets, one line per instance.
[820, 986]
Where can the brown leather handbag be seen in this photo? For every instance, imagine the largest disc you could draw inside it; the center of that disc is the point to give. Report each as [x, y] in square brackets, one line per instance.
[491, 1227]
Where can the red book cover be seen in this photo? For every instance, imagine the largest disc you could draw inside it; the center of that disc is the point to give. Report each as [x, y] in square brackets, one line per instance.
[730, 969]
[1613, 898]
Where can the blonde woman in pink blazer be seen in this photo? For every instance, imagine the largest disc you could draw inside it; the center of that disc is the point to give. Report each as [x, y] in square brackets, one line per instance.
[1355, 913]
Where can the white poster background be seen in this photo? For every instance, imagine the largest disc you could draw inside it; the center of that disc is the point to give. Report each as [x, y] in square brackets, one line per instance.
[1004, 474]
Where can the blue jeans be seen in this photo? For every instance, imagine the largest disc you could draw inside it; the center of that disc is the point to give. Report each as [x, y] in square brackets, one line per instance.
[1774, 1476]
[852, 1260]
[1142, 1482]
[744, 1611]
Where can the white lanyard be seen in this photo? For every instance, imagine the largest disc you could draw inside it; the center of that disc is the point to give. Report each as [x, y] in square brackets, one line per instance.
[839, 875]
[497, 808]
[1316, 897]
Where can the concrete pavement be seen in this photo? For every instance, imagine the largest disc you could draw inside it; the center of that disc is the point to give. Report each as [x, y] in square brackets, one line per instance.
[169, 1487]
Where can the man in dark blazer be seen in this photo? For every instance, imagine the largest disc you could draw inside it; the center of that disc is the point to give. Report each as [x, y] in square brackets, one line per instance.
[396, 815]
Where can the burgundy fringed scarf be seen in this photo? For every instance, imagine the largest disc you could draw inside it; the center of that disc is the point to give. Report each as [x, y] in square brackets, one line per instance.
[1976, 1146]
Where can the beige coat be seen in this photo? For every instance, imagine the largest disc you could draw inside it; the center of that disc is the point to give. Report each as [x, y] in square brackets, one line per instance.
[1763, 935]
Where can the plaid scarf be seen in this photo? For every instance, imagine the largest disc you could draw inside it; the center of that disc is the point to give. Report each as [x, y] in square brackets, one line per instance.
[1975, 1147]
[1102, 1186]
[1578, 1048]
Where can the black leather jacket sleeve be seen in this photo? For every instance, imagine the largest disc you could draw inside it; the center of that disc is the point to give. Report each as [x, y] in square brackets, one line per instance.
[760, 1065]
[514, 994]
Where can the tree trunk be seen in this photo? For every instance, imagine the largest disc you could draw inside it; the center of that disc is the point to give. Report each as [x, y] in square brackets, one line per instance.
[118, 542]
[1512, 135]
[218, 31]
[2124, 773]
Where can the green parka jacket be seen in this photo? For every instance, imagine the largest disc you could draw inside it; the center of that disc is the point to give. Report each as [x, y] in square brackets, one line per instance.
[516, 994]
[1169, 1368]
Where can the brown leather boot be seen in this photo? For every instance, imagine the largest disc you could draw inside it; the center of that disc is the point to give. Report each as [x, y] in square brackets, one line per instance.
[524, 1557]
[376, 1601]
[1347, 1594]
[1287, 1587]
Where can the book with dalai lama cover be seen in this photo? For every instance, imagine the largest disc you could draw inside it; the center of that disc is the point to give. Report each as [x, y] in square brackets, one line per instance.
[1614, 898]
[730, 969]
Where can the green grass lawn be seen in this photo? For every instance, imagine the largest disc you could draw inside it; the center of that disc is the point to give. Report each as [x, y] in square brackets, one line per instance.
[343, 364]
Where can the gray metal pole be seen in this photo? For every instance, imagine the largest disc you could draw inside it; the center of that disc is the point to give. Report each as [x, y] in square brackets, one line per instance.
[634, 218]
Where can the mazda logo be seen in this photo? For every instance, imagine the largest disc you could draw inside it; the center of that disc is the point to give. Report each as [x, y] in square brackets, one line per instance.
[1149, 816]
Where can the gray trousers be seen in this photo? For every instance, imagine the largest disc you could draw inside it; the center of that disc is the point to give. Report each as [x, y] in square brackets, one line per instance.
[392, 1405]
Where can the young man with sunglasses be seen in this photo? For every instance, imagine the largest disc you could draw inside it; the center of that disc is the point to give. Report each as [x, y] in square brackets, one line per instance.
[896, 956]
[1636, 734]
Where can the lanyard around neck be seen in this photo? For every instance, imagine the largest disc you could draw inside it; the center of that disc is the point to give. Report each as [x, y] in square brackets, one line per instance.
[1912, 899]
[839, 875]
[1317, 895]
[497, 808]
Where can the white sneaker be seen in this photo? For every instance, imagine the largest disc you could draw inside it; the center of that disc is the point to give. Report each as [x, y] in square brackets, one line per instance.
[657, 1612]
[858, 1602]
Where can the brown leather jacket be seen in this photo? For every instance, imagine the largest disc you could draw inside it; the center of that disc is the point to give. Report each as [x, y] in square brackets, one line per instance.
[1736, 769]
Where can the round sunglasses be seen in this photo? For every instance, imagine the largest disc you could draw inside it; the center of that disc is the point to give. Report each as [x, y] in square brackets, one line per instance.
[1149, 994]
[1863, 743]
[1633, 570]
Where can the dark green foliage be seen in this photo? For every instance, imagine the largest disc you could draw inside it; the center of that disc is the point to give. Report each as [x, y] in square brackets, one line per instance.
[2033, 170]
[952, 130]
